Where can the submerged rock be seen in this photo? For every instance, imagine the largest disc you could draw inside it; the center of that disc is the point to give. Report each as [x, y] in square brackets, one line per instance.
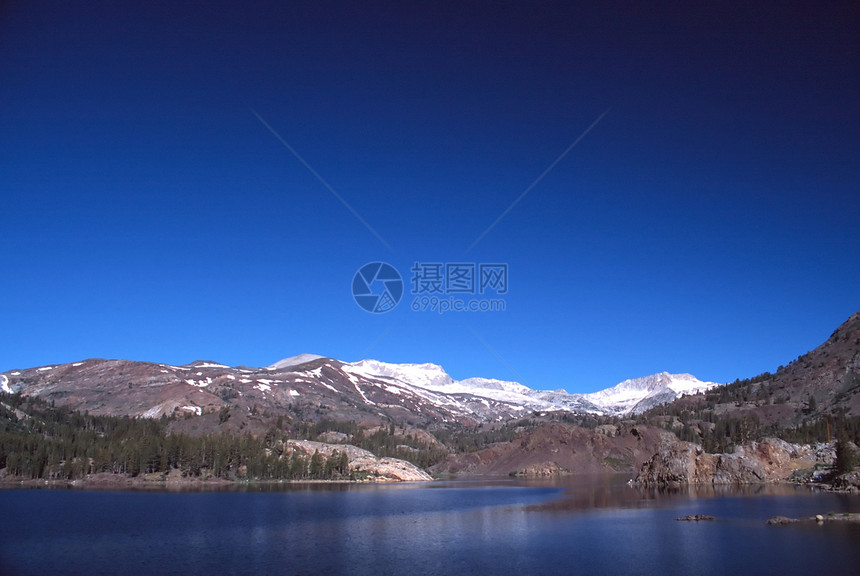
[781, 521]
[818, 519]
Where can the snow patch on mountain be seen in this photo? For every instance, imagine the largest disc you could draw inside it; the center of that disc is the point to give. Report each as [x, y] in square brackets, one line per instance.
[4, 384]
[294, 361]
[204, 364]
[200, 383]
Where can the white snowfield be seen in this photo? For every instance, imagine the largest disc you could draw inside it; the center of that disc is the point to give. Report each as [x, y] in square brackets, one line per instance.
[4, 384]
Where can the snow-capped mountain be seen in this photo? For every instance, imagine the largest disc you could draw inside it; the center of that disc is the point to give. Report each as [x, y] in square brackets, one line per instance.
[311, 386]
[472, 392]
[628, 397]
[640, 394]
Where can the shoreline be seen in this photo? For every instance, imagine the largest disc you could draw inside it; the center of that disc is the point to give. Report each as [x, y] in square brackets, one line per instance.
[117, 482]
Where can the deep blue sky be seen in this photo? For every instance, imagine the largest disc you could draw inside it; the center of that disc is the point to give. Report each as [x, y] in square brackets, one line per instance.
[707, 224]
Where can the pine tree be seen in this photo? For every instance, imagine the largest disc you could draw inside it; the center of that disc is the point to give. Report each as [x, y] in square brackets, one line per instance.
[317, 465]
[846, 459]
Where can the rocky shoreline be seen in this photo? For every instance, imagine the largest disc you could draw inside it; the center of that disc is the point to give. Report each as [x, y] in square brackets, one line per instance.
[770, 460]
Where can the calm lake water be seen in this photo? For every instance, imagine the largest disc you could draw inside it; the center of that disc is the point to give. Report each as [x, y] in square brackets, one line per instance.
[580, 526]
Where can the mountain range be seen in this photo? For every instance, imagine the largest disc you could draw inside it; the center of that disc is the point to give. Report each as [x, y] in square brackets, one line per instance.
[311, 387]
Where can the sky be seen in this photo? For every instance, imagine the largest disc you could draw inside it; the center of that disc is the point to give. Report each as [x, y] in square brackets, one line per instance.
[667, 188]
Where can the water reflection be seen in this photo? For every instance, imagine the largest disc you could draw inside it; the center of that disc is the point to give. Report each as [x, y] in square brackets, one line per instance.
[613, 491]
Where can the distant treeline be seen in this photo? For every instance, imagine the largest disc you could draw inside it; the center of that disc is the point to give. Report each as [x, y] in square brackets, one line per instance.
[38, 440]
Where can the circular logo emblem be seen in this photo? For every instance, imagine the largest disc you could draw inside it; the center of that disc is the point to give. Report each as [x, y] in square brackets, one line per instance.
[377, 287]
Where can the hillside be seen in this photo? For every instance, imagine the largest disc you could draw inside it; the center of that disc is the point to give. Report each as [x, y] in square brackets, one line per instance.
[822, 382]
[557, 448]
[814, 398]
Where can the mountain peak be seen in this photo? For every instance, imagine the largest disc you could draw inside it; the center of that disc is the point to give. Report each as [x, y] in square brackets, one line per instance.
[639, 394]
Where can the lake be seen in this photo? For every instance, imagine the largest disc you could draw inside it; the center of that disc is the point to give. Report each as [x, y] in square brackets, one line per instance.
[574, 526]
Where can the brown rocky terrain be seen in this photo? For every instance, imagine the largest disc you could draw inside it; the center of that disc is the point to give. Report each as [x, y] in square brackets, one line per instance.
[555, 448]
